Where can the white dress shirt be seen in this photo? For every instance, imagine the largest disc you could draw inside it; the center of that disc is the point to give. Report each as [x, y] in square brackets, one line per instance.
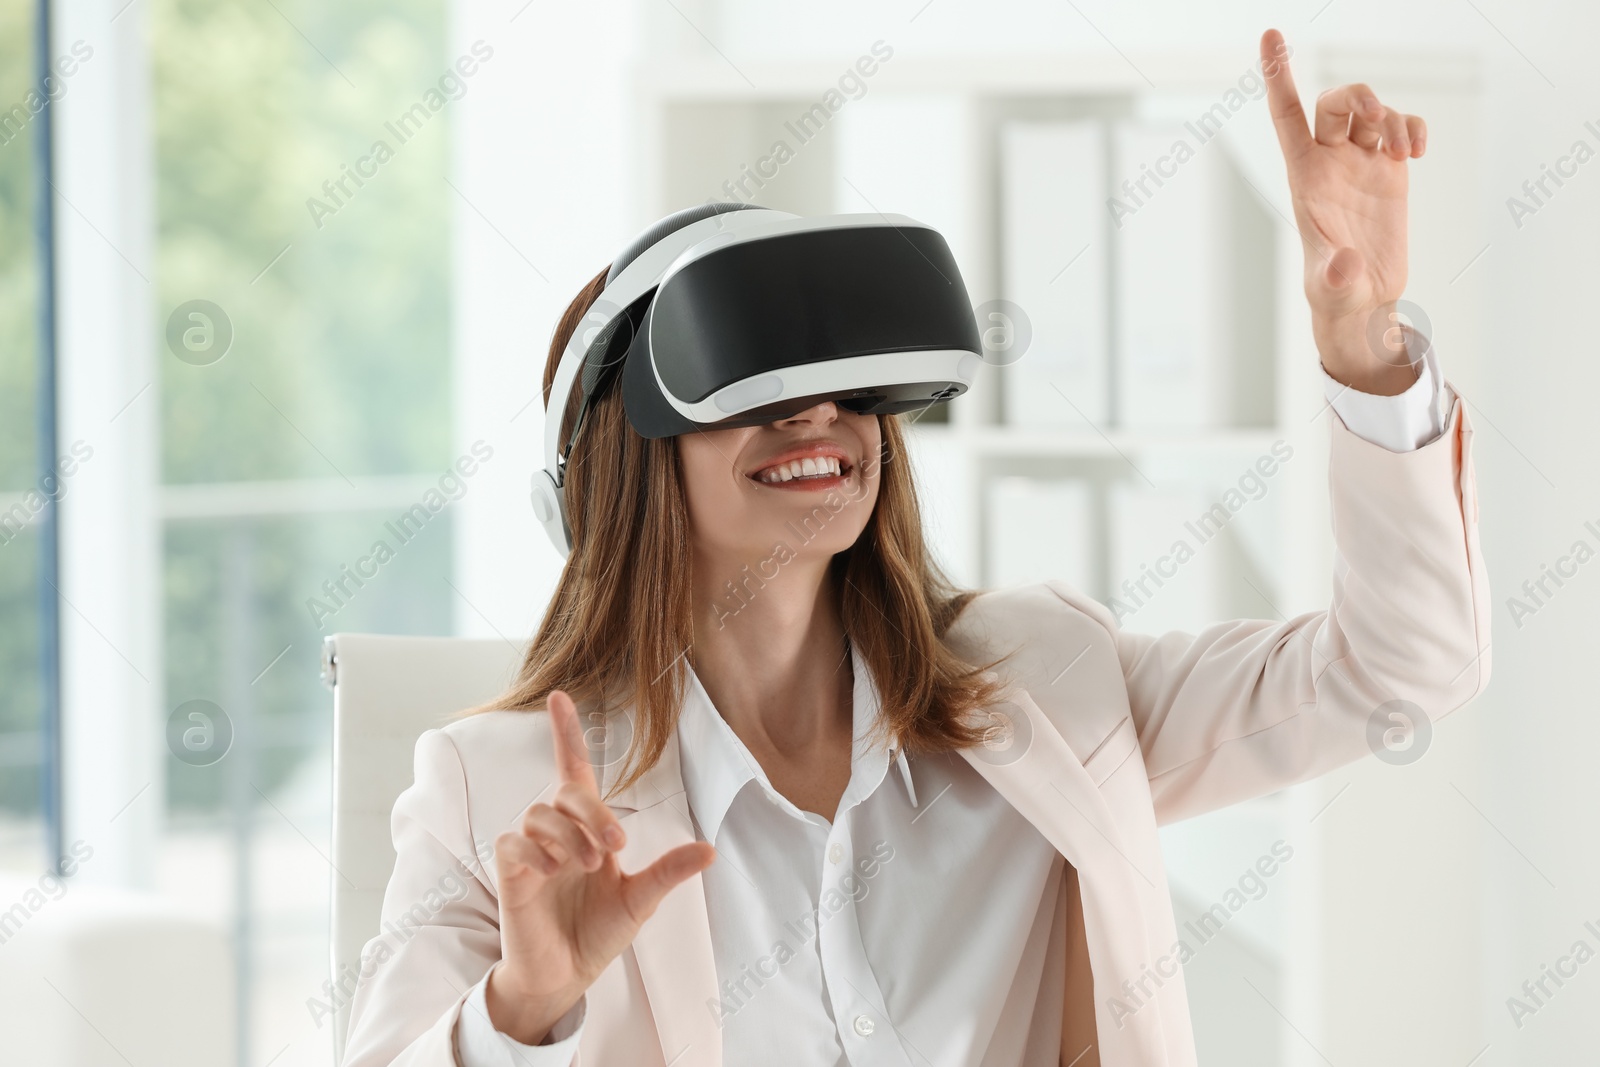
[880, 938]
[914, 928]
[1399, 423]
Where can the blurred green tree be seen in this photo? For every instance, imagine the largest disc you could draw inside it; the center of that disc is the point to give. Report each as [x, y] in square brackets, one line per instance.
[19, 634]
[339, 366]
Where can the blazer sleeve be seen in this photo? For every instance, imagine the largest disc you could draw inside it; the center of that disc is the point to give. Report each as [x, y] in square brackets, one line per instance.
[1247, 707]
[440, 931]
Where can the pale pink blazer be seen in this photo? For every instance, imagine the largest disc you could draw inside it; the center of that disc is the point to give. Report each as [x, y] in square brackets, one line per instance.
[1141, 730]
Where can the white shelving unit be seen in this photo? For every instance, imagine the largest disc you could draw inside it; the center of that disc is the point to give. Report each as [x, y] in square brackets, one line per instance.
[922, 139]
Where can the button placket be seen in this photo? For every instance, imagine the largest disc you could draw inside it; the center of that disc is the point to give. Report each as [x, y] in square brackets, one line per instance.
[858, 1005]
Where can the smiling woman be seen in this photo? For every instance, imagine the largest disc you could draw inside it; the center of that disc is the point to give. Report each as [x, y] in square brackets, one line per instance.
[623, 613]
[732, 427]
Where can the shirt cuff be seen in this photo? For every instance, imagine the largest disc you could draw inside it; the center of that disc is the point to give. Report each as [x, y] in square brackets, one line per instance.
[1400, 423]
[479, 1044]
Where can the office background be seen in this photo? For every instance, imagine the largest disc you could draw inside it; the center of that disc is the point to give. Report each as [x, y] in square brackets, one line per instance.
[307, 257]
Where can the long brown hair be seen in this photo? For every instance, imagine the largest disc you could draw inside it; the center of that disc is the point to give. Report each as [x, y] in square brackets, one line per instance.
[619, 628]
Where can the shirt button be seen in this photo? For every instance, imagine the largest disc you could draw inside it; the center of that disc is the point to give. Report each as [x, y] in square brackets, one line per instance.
[865, 1025]
[835, 854]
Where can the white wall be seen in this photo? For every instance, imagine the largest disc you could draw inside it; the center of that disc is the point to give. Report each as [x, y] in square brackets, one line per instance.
[538, 155]
[1539, 486]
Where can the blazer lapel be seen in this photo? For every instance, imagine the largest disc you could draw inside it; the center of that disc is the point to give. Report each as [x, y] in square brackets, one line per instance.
[673, 947]
[1030, 764]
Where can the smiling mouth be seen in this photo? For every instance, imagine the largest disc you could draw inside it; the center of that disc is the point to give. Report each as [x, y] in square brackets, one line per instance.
[810, 472]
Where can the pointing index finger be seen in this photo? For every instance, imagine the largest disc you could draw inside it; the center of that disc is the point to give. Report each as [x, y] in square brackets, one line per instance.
[572, 755]
[1283, 99]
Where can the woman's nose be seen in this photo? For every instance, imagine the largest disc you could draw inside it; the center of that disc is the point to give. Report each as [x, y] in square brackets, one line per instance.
[821, 414]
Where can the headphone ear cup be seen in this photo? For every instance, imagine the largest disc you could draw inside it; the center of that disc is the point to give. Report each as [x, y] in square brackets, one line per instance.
[549, 507]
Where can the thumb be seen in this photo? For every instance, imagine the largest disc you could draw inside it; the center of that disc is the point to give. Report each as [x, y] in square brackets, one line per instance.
[641, 892]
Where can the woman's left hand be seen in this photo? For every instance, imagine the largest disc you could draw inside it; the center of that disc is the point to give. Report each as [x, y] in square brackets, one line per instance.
[1347, 180]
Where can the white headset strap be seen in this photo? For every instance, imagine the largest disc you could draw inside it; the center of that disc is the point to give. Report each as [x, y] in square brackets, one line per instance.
[636, 279]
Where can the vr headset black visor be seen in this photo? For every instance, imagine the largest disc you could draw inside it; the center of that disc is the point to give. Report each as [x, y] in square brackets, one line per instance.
[873, 316]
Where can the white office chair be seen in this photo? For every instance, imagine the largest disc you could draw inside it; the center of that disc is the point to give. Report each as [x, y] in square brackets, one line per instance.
[386, 692]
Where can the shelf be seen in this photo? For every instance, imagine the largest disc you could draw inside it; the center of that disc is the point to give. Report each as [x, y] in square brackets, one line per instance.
[1068, 73]
[1006, 442]
[1096, 72]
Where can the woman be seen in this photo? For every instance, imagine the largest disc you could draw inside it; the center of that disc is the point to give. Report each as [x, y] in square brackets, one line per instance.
[837, 811]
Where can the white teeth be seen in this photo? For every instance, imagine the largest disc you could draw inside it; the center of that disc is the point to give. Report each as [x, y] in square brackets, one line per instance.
[802, 468]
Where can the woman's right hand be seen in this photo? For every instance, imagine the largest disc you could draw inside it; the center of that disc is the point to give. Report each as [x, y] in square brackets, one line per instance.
[566, 907]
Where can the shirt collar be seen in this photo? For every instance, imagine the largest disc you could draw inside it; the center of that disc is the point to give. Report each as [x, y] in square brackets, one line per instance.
[717, 765]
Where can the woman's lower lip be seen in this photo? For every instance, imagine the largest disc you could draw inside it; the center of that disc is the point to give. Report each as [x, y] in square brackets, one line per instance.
[833, 481]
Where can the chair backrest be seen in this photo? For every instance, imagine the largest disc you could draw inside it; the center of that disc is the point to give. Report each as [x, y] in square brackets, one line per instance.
[386, 692]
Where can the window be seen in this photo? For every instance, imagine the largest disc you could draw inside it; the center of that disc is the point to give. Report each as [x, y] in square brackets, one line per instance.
[21, 740]
[305, 403]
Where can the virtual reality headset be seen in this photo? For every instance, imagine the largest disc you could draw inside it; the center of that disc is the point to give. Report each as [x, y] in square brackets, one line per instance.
[729, 314]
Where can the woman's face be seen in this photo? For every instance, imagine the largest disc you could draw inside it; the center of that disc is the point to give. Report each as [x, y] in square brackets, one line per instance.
[808, 482]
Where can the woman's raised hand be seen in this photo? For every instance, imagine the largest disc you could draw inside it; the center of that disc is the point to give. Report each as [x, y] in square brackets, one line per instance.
[1348, 176]
[566, 907]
